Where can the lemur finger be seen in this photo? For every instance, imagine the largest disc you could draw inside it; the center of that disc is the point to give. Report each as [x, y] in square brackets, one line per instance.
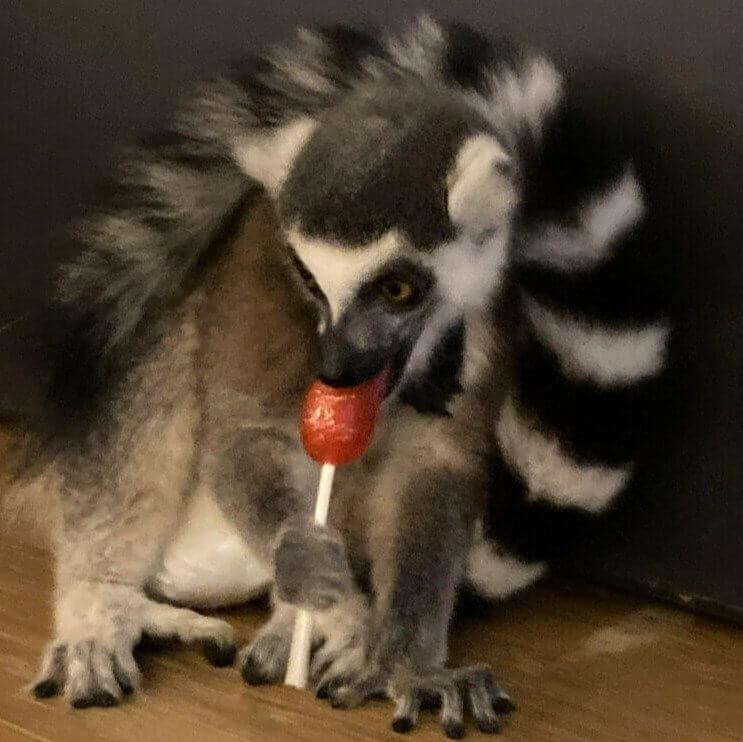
[501, 701]
[264, 660]
[483, 676]
[90, 676]
[481, 707]
[217, 637]
[125, 669]
[406, 712]
[321, 662]
[452, 713]
[349, 696]
[50, 680]
[328, 685]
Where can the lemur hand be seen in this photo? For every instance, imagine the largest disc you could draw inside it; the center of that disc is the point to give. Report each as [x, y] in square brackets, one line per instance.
[311, 569]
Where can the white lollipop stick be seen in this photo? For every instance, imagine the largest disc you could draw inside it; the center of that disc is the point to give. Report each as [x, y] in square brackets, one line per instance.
[297, 669]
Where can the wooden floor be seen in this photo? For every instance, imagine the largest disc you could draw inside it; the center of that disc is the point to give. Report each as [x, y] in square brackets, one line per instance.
[582, 665]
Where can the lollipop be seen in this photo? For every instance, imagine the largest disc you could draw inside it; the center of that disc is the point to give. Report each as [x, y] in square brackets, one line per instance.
[336, 426]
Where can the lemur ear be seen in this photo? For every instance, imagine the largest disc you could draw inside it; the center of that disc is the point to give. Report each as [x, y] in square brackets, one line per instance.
[481, 187]
[267, 156]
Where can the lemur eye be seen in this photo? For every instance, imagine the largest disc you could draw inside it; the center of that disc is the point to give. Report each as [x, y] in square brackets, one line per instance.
[307, 278]
[398, 292]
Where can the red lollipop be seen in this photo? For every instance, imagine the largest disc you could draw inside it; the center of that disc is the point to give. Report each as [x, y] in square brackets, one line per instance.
[337, 423]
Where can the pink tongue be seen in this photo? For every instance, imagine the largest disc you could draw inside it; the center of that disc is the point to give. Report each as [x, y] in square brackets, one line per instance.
[337, 424]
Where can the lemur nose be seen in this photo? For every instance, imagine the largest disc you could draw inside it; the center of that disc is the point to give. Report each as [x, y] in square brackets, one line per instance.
[345, 365]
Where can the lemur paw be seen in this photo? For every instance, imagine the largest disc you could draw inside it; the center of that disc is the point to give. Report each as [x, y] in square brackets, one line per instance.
[311, 566]
[99, 625]
[334, 666]
[264, 660]
[452, 690]
[338, 642]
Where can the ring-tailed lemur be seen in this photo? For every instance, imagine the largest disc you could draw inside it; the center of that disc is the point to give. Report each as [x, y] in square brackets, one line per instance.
[437, 211]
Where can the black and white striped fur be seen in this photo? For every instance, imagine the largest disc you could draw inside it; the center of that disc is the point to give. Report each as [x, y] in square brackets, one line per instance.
[591, 354]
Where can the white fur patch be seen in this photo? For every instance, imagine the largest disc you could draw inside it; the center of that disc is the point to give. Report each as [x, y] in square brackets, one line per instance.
[608, 216]
[481, 202]
[268, 157]
[548, 470]
[481, 197]
[608, 356]
[208, 564]
[469, 274]
[603, 220]
[498, 575]
[339, 269]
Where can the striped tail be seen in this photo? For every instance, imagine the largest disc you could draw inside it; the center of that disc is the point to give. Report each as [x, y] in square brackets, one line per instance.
[578, 417]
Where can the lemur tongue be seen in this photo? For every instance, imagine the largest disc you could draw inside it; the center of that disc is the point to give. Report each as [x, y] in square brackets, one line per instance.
[337, 423]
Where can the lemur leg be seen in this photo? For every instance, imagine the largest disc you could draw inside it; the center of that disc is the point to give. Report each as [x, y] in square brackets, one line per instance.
[265, 484]
[103, 562]
[122, 496]
[420, 543]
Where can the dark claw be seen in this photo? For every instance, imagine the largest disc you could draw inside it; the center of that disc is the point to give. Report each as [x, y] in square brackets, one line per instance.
[503, 704]
[453, 728]
[402, 724]
[343, 697]
[121, 677]
[219, 655]
[46, 689]
[488, 725]
[126, 687]
[102, 699]
[254, 674]
[336, 701]
[329, 686]
[322, 692]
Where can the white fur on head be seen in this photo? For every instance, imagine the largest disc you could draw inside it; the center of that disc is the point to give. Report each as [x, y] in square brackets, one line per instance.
[267, 157]
[468, 274]
[482, 195]
[340, 269]
[481, 200]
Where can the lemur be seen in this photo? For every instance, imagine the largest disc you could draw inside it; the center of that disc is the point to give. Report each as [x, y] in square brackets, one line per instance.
[433, 201]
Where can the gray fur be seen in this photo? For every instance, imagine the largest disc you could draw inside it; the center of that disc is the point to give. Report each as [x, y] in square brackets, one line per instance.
[384, 154]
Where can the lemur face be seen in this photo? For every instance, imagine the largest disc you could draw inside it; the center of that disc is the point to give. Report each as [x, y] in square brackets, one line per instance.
[396, 207]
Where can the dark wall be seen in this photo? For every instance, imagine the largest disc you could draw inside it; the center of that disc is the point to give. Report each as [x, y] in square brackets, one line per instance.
[78, 77]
